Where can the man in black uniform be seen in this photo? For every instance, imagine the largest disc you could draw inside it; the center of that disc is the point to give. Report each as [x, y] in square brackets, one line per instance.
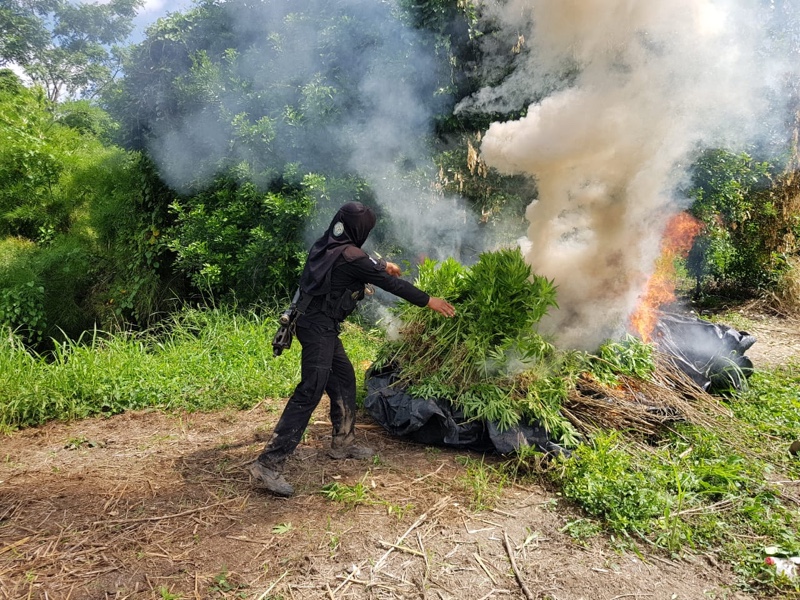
[333, 281]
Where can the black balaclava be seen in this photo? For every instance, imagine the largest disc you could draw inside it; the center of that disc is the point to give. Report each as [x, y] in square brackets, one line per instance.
[350, 227]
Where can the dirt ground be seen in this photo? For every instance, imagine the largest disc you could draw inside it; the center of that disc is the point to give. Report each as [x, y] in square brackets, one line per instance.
[148, 505]
[778, 338]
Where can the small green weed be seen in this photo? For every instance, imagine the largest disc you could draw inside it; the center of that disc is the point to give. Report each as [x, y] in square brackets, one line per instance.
[349, 495]
[165, 594]
[432, 453]
[485, 482]
[222, 584]
[397, 510]
[334, 539]
[581, 530]
[282, 528]
[75, 443]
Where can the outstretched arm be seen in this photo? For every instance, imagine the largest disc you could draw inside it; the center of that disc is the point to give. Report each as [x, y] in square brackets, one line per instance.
[386, 275]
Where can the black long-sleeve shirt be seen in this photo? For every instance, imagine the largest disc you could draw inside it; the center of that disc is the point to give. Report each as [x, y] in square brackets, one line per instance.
[351, 275]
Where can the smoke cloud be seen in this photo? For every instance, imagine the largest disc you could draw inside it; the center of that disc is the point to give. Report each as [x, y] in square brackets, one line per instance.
[621, 93]
[356, 59]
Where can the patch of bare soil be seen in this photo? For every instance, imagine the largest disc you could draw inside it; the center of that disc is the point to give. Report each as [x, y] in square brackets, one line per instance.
[146, 505]
[778, 338]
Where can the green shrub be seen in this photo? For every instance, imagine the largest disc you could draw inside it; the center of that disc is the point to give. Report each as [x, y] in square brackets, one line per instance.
[606, 483]
[127, 219]
[743, 239]
[21, 291]
[93, 213]
[235, 241]
[34, 153]
[21, 310]
[85, 117]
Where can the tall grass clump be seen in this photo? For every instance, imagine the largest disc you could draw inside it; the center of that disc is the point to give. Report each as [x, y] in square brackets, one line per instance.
[200, 360]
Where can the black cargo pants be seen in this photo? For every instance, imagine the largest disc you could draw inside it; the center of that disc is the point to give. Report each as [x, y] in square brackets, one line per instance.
[324, 368]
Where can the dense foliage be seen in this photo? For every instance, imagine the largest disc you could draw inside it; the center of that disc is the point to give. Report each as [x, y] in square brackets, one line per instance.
[243, 137]
[278, 84]
[751, 225]
[234, 241]
[488, 359]
[47, 181]
[253, 112]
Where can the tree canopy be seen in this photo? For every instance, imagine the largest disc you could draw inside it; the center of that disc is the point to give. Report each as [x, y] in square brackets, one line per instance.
[69, 49]
[234, 127]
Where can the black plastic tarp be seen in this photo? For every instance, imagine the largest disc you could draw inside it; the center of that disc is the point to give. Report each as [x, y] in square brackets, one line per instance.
[437, 422]
[712, 354]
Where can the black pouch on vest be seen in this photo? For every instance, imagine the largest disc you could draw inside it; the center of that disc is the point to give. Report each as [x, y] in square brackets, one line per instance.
[339, 305]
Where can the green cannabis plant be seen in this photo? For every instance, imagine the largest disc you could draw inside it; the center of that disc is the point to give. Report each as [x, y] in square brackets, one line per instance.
[489, 359]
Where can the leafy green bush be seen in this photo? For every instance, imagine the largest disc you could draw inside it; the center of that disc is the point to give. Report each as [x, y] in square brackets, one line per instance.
[33, 156]
[128, 218]
[740, 246]
[234, 240]
[90, 213]
[43, 289]
[21, 292]
[86, 117]
[21, 310]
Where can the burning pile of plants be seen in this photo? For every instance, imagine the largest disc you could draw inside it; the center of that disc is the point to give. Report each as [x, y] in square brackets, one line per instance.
[490, 365]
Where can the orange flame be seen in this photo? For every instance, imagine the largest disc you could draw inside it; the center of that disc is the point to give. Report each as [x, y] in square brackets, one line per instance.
[660, 289]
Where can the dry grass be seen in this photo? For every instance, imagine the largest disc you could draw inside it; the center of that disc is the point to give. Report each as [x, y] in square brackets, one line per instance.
[642, 408]
[785, 300]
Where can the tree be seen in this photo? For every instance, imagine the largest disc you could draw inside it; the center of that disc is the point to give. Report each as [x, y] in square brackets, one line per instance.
[69, 49]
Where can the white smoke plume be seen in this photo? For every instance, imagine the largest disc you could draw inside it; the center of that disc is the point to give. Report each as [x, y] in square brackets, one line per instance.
[381, 139]
[651, 81]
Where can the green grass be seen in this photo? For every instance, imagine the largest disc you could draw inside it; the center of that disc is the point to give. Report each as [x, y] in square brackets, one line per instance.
[202, 360]
[349, 495]
[721, 490]
[484, 482]
[725, 490]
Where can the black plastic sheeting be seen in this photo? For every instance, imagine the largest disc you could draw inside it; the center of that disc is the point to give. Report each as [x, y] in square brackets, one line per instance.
[435, 422]
[712, 354]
